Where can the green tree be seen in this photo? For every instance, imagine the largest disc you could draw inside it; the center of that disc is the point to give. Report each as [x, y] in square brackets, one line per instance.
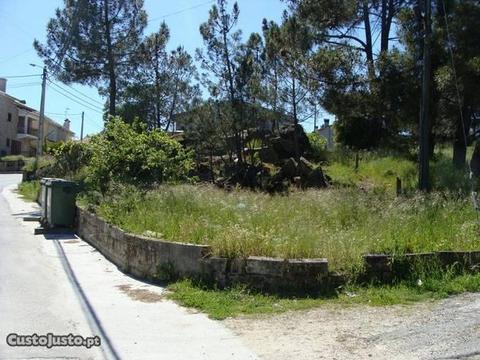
[93, 42]
[292, 42]
[458, 76]
[161, 85]
[222, 46]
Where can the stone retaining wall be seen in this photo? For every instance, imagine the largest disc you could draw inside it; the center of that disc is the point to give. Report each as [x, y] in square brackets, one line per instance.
[156, 259]
[385, 268]
[160, 260]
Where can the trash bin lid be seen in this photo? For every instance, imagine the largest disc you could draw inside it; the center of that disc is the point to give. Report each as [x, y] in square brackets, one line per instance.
[45, 180]
[61, 183]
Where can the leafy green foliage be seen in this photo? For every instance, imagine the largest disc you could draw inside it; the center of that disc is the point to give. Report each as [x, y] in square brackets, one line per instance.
[162, 85]
[70, 157]
[29, 190]
[93, 42]
[129, 154]
[318, 147]
[15, 158]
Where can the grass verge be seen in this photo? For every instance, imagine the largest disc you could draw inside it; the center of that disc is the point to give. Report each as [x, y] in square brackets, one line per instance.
[220, 304]
[29, 190]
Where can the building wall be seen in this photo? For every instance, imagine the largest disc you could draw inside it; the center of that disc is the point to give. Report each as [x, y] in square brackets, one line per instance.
[327, 133]
[53, 132]
[8, 129]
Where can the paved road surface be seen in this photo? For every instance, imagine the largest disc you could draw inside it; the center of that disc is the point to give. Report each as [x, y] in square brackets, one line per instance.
[62, 285]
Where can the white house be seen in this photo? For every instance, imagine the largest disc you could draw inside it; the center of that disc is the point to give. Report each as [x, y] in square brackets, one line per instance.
[326, 130]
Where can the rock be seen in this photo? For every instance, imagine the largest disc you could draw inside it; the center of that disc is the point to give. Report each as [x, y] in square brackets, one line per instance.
[289, 169]
[284, 144]
[284, 148]
[304, 167]
[316, 179]
[268, 155]
[297, 181]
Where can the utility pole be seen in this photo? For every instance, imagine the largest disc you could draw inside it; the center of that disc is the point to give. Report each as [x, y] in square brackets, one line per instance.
[81, 129]
[42, 114]
[315, 117]
[423, 175]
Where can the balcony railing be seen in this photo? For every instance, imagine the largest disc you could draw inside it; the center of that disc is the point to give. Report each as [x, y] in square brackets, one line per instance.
[30, 131]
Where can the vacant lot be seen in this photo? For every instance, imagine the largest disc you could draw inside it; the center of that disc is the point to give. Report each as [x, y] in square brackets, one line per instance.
[340, 224]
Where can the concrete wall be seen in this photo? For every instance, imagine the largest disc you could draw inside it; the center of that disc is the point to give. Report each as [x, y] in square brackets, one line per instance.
[386, 268]
[162, 260]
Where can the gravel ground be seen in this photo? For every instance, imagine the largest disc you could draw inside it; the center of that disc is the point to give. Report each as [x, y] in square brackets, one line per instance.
[447, 329]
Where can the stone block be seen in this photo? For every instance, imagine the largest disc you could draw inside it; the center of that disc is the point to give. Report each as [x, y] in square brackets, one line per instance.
[265, 266]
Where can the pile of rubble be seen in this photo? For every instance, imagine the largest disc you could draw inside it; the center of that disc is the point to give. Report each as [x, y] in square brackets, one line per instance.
[281, 166]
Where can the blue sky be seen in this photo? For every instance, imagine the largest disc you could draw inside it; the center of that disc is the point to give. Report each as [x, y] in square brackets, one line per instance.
[23, 20]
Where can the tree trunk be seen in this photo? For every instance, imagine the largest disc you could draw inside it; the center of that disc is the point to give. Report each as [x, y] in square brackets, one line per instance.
[388, 10]
[295, 119]
[475, 161]
[459, 144]
[368, 41]
[459, 154]
[212, 172]
[238, 147]
[110, 64]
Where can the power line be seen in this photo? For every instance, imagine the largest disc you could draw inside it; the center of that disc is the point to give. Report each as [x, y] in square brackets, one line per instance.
[100, 127]
[74, 100]
[86, 96]
[53, 113]
[68, 92]
[20, 76]
[181, 11]
[17, 86]
[15, 56]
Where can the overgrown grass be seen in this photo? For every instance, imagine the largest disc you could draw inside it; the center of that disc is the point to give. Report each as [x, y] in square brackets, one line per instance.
[339, 224]
[29, 190]
[380, 170]
[15, 158]
[220, 304]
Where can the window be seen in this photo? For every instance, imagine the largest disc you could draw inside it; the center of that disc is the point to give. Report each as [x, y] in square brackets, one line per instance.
[8, 142]
[9, 117]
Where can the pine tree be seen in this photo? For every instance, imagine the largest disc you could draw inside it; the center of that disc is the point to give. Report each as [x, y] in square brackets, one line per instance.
[93, 42]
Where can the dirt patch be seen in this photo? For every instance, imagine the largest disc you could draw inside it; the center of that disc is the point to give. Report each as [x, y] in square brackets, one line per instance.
[142, 295]
[448, 329]
[71, 242]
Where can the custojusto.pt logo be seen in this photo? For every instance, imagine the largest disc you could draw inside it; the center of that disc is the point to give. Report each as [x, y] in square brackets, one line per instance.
[50, 340]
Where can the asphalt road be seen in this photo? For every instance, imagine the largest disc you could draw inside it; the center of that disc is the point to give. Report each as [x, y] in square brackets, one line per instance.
[35, 292]
[59, 284]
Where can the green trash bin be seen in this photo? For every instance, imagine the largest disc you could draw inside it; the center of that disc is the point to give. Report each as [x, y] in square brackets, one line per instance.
[60, 202]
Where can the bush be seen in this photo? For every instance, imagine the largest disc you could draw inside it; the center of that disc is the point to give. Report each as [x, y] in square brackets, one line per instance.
[14, 158]
[318, 147]
[40, 167]
[129, 154]
[70, 158]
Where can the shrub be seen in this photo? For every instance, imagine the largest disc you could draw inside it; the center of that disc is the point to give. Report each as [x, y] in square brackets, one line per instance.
[318, 147]
[70, 157]
[40, 167]
[129, 154]
[14, 158]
